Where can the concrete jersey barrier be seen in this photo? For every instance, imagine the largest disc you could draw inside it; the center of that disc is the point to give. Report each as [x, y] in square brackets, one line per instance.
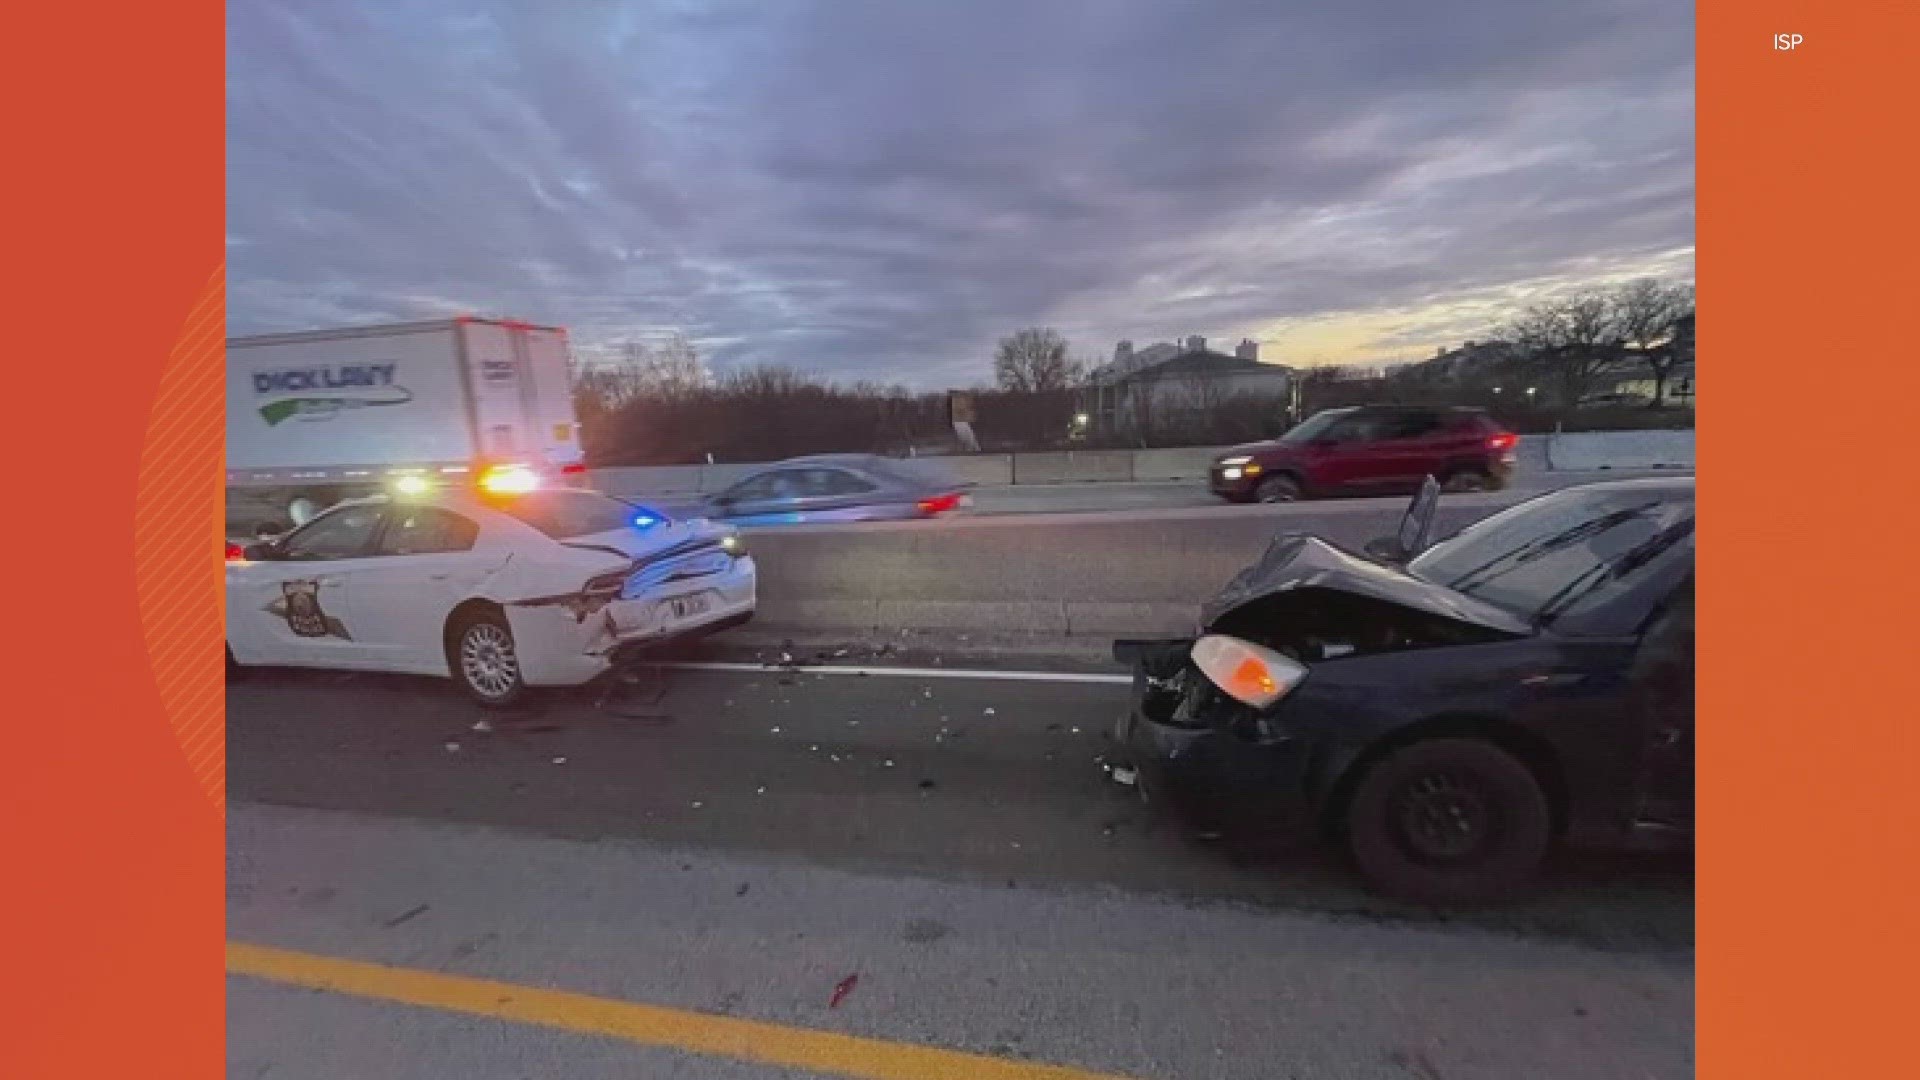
[1585, 450]
[1084, 574]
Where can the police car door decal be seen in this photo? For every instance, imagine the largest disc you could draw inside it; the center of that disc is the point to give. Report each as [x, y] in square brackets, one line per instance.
[299, 604]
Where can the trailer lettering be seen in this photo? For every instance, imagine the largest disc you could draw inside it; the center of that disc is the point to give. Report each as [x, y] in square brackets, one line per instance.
[303, 380]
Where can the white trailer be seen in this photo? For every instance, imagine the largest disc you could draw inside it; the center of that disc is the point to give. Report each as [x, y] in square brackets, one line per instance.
[316, 417]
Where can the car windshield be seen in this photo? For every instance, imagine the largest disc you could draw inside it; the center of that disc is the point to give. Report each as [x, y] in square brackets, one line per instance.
[1315, 426]
[1542, 557]
[563, 515]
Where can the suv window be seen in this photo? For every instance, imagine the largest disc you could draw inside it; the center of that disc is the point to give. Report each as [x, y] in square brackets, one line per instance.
[564, 514]
[427, 530]
[1409, 425]
[338, 534]
[1360, 427]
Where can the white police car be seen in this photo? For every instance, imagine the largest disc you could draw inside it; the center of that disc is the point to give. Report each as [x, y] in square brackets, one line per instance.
[502, 584]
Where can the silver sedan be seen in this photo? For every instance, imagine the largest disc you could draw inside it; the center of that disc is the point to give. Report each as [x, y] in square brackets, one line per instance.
[838, 487]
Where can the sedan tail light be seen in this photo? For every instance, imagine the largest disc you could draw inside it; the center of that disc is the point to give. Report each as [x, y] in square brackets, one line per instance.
[235, 553]
[940, 504]
[1506, 440]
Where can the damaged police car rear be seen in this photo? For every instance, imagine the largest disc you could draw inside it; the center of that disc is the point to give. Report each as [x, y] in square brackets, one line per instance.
[1448, 712]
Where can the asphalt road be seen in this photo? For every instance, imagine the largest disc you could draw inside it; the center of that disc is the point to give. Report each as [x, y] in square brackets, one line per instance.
[730, 841]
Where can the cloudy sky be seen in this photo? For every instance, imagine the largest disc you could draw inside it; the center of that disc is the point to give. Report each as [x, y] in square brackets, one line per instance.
[879, 190]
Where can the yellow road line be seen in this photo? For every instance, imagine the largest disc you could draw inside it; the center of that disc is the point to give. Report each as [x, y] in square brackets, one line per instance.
[649, 1025]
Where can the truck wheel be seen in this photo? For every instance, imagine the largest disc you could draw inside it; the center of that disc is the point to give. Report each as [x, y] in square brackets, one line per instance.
[484, 661]
[1449, 821]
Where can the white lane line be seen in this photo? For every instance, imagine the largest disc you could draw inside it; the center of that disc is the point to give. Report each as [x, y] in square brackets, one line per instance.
[905, 672]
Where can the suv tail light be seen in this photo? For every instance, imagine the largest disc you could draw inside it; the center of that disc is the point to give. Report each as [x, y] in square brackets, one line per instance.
[940, 504]
[1505, 440]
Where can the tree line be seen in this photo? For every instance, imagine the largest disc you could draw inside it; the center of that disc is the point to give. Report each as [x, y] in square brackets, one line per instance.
[660, 403]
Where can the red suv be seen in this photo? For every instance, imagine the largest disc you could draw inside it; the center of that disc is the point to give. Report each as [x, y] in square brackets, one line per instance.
[1369, 450]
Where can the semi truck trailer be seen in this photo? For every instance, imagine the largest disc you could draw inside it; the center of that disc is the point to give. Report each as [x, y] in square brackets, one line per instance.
[321, 416]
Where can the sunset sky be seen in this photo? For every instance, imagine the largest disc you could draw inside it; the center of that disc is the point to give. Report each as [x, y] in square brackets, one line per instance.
[881, 190]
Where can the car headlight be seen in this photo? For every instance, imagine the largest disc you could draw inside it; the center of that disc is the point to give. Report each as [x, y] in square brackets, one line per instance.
[734, 544]
[1240, 460]
[1250, 674]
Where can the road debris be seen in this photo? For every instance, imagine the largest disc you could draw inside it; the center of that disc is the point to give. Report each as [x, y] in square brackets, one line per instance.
[405, 915]
[988, 711]
[1123, 774]
[927, 785]
[742, 890]
[760, 791]
[697, 804]
[559, 761]
[841, 989]
[452, 747]
[481, 725]
[887, 763]
[773, 731]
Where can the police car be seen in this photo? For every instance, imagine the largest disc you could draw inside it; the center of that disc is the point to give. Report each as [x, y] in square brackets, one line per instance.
[500, 581]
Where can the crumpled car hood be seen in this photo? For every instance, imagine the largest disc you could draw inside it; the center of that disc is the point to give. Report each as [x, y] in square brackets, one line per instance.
[1299, 561]
[647, 543]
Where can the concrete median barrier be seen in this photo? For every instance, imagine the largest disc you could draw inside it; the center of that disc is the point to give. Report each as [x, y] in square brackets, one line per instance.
[1101, 575]
[1184, 463]
[1579, 451]
[1073, 466]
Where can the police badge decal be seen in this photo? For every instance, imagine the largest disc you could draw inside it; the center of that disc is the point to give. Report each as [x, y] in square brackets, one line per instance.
[299, 604]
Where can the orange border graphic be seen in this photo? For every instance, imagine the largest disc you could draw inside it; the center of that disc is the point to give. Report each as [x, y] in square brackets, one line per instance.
[177, 529]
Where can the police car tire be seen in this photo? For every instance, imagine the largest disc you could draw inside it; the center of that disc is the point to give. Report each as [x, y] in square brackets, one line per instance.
[514, 694]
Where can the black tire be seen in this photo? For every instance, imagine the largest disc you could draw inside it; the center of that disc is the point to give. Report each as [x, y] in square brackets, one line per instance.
[1277, 488]
[1462, 481]
[482, 658]
[1449, 821]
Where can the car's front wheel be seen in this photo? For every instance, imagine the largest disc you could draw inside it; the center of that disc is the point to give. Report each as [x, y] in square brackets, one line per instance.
[1278, 488]
[485, 662]
[1449, 821]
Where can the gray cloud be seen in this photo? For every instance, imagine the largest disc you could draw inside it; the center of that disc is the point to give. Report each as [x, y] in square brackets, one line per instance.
[880, 190]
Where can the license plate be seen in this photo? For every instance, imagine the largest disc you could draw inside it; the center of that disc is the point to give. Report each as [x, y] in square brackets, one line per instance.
[686, 607]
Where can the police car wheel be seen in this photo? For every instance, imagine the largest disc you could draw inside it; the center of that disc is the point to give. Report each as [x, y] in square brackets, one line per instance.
[485, 663]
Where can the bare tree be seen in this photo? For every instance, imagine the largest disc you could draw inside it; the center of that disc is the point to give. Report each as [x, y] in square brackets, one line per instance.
[770, 381]
[1649, 313]
[1572, 340]
[1034, 359]
[675, 372]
